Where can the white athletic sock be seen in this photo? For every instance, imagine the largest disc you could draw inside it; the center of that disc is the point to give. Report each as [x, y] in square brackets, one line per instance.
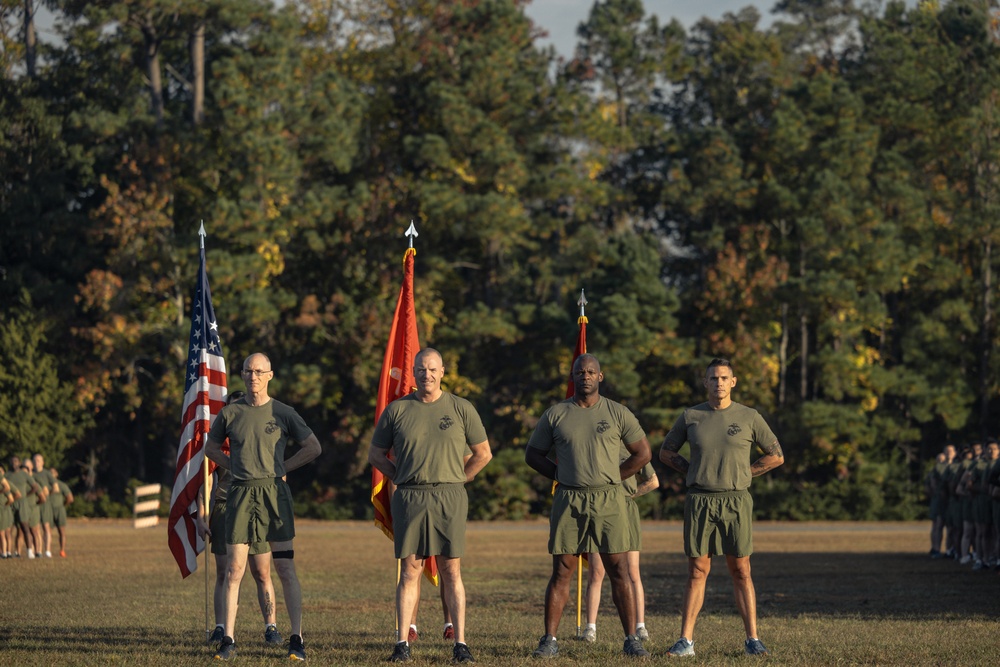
[449, 625]
[639, 625]
[592, 626]
[31, 553]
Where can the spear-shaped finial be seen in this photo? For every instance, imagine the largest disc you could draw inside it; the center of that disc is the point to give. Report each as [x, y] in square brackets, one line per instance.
[411, 232]
[202, 234]
[582, 302]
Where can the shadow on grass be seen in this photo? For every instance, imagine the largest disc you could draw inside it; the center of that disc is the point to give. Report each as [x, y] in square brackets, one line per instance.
[848, 585]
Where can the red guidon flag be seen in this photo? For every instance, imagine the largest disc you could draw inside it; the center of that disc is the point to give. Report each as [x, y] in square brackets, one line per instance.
[204, 395]
[395, 381]
[581, 348]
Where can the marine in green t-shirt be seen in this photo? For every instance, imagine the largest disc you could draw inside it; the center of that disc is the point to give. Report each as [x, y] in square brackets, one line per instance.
[428, 434]
[584, 436]
[259, 505]
[45, 479]
[718, 510]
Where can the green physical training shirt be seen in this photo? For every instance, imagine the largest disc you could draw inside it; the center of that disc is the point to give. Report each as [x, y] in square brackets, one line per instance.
[586, 441]
[19, 479]
[721, 441]
[258, 435]
[429, 441]
[58, 498]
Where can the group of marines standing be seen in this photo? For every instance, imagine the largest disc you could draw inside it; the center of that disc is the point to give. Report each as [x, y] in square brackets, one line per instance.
[431, 443]
[32, 501]
[964, 492]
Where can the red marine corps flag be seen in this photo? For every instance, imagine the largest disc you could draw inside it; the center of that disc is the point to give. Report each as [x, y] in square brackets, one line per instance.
[395, 381]
[204, 395]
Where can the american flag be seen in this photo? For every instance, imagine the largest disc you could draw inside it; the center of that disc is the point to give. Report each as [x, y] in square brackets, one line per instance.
[204, 395]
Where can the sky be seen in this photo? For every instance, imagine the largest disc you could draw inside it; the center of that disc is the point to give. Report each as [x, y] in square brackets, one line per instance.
[561, 17]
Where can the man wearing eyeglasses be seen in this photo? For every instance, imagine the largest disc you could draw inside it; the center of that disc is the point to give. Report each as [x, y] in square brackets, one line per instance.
[260, 503]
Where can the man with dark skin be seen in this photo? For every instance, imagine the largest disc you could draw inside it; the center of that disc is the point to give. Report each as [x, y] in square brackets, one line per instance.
[589, 511]
[718, 509]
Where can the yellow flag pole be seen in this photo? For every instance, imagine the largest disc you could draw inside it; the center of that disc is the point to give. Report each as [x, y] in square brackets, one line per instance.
[399, 570]
[579, 594]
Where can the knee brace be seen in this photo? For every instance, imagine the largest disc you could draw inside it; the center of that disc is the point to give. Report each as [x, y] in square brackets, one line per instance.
[290, 554]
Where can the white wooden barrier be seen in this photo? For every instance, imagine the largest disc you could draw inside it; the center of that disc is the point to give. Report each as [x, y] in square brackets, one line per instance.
[146, 506]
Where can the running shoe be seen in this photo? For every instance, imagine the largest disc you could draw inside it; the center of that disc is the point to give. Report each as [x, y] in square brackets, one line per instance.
[642, 633]
[401, 653]
[682, 648]
[589, 635]
[296, 649]
[754, 646]
[216, 636]
[271, 635]
[547, 647]
[461, 653]
[633, 648]
[226, 649]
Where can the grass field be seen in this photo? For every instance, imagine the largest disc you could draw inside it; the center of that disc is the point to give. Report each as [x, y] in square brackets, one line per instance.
[827, 593]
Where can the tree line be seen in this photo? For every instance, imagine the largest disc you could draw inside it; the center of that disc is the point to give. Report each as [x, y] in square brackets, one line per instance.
[816, 199]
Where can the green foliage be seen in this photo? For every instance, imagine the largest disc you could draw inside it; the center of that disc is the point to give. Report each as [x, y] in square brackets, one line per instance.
[815, 200]
[38, 410]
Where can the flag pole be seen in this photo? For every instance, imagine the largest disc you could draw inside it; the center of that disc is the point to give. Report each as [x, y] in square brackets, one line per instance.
[579, 594]
[204, 467]
[582, 320]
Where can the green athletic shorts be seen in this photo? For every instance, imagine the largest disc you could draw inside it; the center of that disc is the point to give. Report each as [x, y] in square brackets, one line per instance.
[954, 516]
[634, 523]
[6, 515]
[22, 511]
[34, 515]
[59, 516]
[967, 513]
[591, 520]
[982, 510]
[429, 520]
[217, 524]
[259, 510]
[718, 523]
[935, 507]
[45, 512]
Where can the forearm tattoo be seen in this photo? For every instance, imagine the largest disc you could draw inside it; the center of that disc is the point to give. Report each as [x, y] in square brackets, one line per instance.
[774, 449]
[675, 461]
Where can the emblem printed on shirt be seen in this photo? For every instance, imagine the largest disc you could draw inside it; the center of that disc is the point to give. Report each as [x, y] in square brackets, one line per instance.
[734, 429]
[271, 427]
[603, 426]
[445, 423]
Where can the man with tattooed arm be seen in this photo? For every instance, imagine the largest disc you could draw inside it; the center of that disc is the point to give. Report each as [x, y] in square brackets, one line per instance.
[718, 510]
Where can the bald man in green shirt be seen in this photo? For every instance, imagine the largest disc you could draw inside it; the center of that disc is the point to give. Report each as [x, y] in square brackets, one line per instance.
[585, 434]
[259, 505]
[718, 510]
[429, 433]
